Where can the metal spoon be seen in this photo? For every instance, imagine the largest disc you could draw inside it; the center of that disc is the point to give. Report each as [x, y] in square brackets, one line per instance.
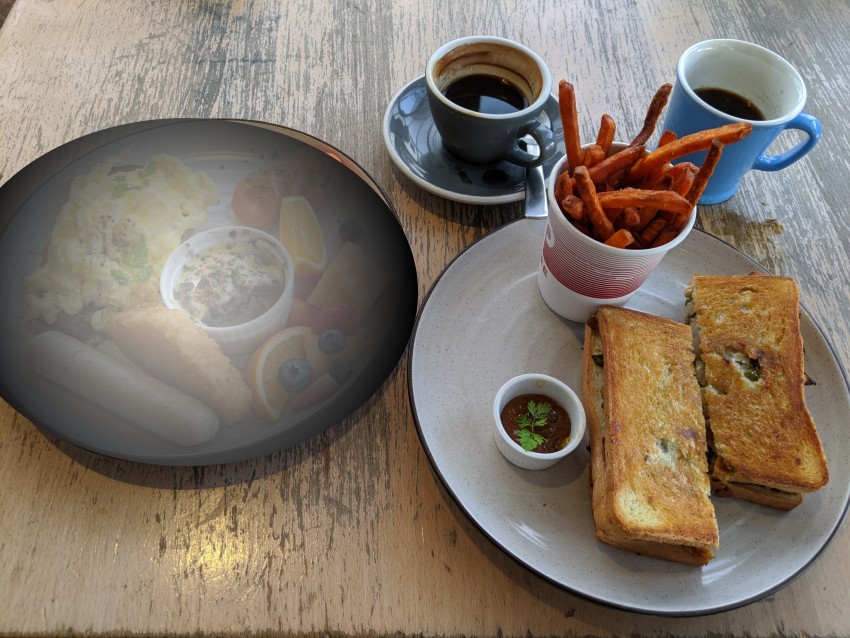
[535, 188]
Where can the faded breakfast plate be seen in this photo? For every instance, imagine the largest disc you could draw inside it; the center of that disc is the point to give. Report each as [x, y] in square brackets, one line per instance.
[484, 322]
[305, 257]
[417, 150]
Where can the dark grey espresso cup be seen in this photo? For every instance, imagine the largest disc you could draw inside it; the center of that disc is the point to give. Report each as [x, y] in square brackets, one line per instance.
[486, 94]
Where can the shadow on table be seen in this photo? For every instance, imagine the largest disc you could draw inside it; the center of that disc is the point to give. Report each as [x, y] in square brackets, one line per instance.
[5, 8]
[195, 477]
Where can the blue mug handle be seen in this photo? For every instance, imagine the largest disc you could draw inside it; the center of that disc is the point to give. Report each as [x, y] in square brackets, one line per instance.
[810, 125]
[545, 139]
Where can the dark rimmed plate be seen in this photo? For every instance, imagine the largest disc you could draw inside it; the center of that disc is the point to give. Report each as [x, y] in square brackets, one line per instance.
[226, 151]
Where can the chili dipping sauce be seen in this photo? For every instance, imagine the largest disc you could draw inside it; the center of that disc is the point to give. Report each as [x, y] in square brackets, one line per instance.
[555, 430]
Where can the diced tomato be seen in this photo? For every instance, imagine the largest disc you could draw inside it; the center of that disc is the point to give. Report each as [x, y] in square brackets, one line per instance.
[344, 317]
[302, 313]
[256, 201]
[322, 388]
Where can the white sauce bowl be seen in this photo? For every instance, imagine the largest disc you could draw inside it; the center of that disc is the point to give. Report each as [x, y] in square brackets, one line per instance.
[245, 337]
[555, 389]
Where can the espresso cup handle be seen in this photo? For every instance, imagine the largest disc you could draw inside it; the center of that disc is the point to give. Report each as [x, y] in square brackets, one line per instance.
[810, 125]
[545, 139]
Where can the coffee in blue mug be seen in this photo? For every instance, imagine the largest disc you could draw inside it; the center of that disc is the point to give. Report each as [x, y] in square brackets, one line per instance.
[723, 81]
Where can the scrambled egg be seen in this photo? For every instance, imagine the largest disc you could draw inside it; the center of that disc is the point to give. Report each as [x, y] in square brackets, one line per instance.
[113, 235]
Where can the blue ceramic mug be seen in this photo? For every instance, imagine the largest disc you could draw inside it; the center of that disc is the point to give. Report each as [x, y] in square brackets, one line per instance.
[717, 77]
[486, 94]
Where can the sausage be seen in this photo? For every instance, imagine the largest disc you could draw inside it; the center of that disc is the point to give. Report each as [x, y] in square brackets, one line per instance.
[126, 391]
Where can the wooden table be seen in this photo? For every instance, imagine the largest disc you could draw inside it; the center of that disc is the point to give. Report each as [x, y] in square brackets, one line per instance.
[351, 532]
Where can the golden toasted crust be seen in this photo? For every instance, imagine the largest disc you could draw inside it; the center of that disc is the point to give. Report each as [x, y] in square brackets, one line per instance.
[172, 348]
[678, 553]
[647, 436]
[752, 351]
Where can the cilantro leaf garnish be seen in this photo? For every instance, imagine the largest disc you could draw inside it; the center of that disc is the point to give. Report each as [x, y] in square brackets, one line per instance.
[530, 440]
[535, 416]
[122, 186]
[135, 263]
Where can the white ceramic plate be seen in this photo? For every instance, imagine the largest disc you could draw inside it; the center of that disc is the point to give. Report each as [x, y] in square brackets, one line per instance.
[484, 322]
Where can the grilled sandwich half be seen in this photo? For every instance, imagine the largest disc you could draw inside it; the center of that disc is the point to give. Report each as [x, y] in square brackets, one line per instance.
[763, 443]
[650, 486]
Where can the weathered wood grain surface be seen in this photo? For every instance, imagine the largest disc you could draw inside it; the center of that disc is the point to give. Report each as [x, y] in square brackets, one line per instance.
[351, 533]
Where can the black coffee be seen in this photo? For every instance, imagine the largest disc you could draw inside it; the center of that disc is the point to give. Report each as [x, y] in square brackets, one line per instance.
[486, 94]
[730, 103]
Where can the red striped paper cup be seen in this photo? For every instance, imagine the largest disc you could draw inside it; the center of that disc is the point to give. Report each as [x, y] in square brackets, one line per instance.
[588, 267]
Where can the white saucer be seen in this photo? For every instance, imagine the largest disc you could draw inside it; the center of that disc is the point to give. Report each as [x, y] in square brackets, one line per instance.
[416, 148]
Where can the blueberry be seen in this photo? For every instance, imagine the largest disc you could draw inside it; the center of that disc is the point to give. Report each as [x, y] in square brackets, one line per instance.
[332, 341]
[341, 370]
[349, 230]
[294, 375]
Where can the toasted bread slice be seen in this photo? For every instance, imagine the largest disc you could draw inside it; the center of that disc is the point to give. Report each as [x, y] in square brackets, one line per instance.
[651, 492]
[764, 443]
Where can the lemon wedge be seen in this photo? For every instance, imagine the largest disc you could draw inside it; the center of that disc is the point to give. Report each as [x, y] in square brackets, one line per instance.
[261, 374]
[301, 234]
